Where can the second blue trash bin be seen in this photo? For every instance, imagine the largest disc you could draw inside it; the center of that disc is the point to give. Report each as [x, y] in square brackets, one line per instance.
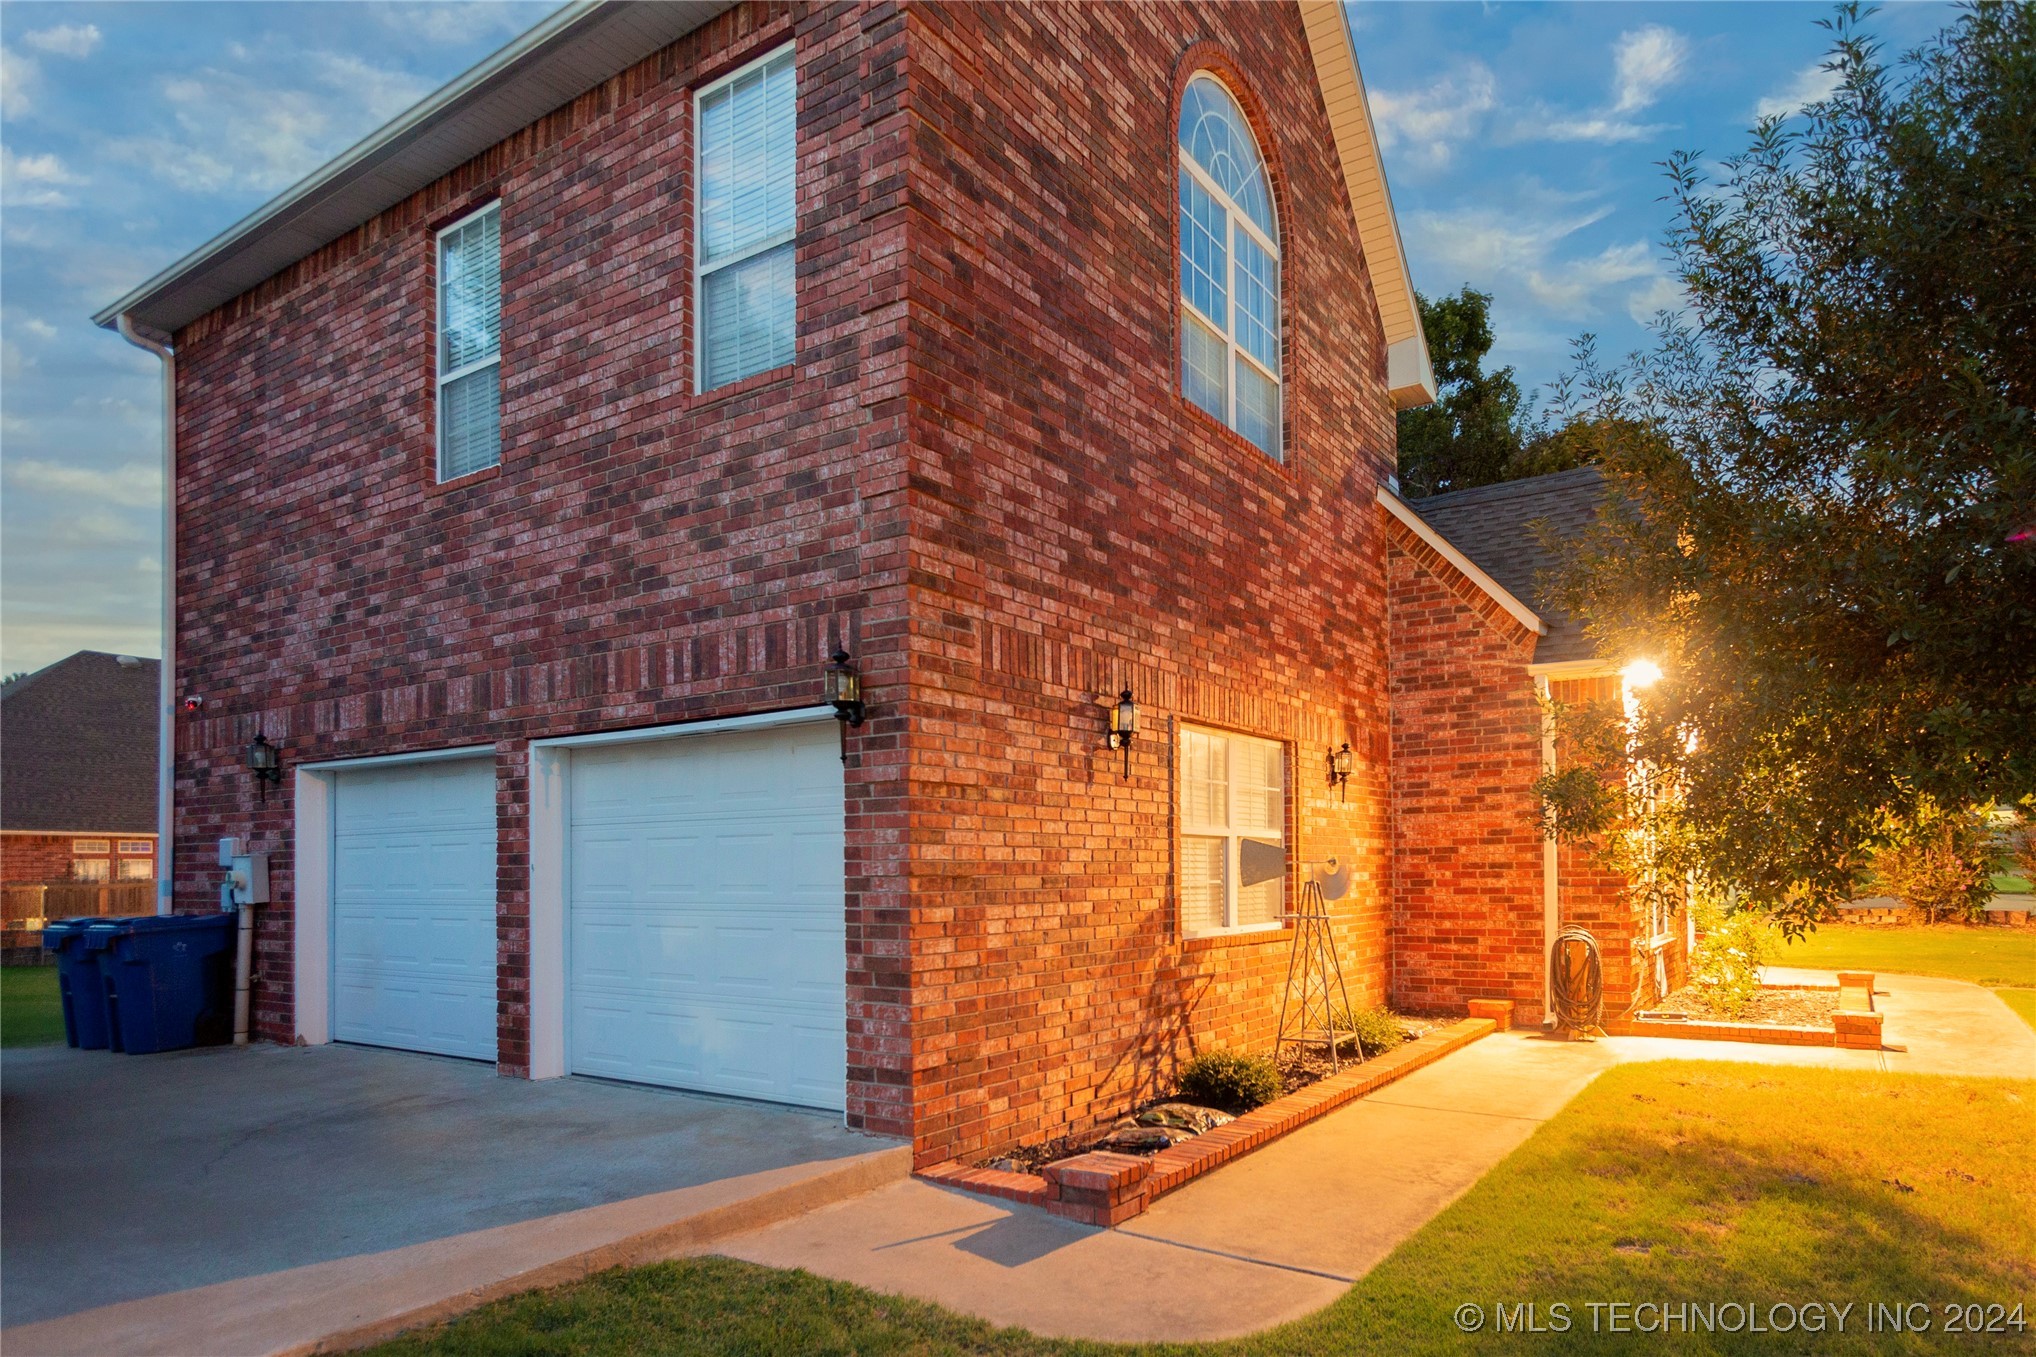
[79, 988]
[168, 980]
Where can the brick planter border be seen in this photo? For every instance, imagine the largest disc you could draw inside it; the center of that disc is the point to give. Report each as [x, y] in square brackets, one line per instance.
[1103, 1188]
[1848, 1031]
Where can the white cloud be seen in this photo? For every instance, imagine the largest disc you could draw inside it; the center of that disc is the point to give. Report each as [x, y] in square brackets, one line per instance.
[1645, 61]
[234, 130]
[1429, 122]
[1542, 123]
[19, 76]
[1811, 84]
[1662, 293]
[1518, 256]
[33, 180]
[39, 327]
[448, 22]
[65, 40]
[136, 485]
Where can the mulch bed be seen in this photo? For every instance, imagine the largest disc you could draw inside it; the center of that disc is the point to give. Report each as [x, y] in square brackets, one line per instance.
[1298, 1069]
[1776, 1007]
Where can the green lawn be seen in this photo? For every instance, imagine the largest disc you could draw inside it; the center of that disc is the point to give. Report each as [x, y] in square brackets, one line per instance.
[1678, 1181]
[2007, 883]
[2003, 959]
[30, 1012]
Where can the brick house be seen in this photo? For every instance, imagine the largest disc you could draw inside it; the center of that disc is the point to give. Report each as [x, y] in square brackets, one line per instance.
[1477, 652]
[533, 459]
[78, 772]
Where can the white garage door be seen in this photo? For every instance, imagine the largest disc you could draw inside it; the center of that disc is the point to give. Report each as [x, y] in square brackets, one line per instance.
[413, 907]
[706, 937]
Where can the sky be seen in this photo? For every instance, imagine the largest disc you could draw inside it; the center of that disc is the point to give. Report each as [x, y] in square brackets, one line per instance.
[1522, 142]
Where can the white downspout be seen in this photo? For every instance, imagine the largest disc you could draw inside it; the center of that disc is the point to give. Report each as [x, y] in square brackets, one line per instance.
[166, 697]
[1551, 879]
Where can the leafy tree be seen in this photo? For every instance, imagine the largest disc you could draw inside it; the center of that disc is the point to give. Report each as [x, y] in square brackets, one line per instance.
[1470, 435]
[1827, 538]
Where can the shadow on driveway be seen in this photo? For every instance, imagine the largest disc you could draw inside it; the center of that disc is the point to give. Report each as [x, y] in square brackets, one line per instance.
[133, 1176]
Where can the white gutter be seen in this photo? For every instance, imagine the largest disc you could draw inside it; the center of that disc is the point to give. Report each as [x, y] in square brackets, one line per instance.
[166, 688]
[1497, 592]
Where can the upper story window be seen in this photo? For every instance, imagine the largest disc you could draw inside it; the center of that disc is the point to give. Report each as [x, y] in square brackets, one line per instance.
[1230, 268]
[1233, 808]
[748, 216]
[470, 344]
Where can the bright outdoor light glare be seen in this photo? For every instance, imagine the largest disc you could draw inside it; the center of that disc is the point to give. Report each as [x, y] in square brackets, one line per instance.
[1640, 673]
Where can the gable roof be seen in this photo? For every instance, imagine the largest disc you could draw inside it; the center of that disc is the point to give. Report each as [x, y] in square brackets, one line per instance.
[78, 746]
[1495, 526]
[590, 40]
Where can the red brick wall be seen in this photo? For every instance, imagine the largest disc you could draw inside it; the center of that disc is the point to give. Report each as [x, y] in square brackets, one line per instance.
[1078, 528]
[1467, 852]
[643, 555]
[48, 857]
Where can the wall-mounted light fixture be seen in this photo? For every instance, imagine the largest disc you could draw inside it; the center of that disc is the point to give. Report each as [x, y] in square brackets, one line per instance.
[1340, 761]
[265, 761]
[844, 689]
[1124, 726]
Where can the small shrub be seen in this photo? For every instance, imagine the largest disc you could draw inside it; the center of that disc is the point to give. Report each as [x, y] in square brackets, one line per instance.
[1378, 1029]
[1939, 863]
[1230, 1081]
[1725, 967]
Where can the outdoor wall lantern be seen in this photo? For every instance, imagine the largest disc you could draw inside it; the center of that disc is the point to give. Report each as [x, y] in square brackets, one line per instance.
[844, 689]
[1124, 727]
[265, 761]
[1340, 761]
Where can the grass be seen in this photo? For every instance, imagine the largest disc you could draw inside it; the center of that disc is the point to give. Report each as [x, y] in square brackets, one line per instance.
[30, 1012]
[1678, 1181]
[2008, 883]
[2002, 959]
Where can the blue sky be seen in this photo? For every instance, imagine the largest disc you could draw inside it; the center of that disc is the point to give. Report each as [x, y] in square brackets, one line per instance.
[1522, 142]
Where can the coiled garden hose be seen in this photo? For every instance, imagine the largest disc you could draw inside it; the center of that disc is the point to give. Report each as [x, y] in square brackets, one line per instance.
[1576, 982]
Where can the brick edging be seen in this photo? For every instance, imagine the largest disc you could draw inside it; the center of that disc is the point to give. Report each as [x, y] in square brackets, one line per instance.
[1102, 1188]
[1848, 1031]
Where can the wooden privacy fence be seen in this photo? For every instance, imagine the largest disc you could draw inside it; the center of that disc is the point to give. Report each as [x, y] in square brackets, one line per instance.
[69, 899]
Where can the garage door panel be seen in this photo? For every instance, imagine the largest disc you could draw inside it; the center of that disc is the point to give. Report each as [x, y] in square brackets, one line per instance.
[706, 914]
[413, 908]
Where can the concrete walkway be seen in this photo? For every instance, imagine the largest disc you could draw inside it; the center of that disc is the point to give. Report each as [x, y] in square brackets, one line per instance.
[1286, 1230]
[270, 1199]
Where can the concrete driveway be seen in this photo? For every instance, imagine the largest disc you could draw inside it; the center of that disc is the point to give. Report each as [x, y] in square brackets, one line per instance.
[144, 1192]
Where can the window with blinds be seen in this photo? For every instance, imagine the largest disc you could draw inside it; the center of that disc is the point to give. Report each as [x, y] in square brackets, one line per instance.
[1232, 789]
[747, 219]
[470, 344]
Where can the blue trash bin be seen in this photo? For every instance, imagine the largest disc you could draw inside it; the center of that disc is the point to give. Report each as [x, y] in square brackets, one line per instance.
[79, 987]
[168, 979]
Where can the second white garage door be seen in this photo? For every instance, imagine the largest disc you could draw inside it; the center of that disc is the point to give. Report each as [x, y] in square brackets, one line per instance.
[706, 939]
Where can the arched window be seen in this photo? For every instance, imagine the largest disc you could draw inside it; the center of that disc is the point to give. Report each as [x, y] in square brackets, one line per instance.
[1230, 268]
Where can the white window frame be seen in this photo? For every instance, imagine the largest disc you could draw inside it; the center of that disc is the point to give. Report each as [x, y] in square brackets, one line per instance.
[445, 378]
[137, 847]
[101, 872]
[146, 872]
[701, 270]
[1230, 831]
[91, 848]
[1235, 217]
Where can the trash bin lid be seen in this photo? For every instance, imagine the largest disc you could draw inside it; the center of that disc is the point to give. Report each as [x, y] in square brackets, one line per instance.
[170, 923]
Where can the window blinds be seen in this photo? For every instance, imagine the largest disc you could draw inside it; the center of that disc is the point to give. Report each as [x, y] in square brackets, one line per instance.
[470, 345]
[748, 217]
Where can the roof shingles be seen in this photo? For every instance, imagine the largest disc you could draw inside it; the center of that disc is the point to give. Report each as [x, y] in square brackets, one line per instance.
[78, 747]
[1495, 525]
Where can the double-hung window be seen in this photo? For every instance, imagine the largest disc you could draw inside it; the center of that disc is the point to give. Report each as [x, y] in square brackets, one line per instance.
[1233, 809]
[470, 344]
[1230, 268]
[747, 219]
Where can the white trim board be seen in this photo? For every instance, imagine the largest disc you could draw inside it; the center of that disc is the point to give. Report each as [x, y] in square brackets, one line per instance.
[1497, 592]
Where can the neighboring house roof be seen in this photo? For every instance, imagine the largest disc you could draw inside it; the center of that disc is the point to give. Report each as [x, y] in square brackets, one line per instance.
[589, 41]
[78, 746]
[1496, 526]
